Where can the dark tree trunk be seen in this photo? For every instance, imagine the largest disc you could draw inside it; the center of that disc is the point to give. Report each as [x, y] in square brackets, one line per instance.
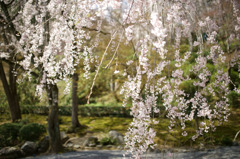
[10, 87]
[75, 121]
[53, 122]
[11, 92]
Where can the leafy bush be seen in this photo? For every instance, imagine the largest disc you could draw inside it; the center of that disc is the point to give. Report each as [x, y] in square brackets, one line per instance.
[9, 133]
[184, 48]
[107, 141]
[227, 141]
[235, 45]
[233, 73]
[234, 99]
[188, 87]
[32, 131]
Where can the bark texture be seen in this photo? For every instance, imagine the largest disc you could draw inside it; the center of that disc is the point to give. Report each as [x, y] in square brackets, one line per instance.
[53, 122]
[75, 121]
[10, 89]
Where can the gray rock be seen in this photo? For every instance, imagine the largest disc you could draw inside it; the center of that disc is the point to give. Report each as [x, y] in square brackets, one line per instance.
[64, 137]
[120, 147]
[29, 147]
[109, 146]
[91, 142]
[118, 137]
[10, 153]
[92, 145]
[235, 143]
[156, 151]
[43, 145]
[69, 145]
[76, 146]
[150, 150]
[99, 146]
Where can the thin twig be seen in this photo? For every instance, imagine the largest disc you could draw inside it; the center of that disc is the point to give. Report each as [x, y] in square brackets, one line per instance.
[236, 136]
[105, 52]
[115, 51]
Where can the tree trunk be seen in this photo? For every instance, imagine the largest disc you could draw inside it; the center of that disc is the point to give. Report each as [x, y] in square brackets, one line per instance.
[53, 123]
[75, 121]
[11, 92]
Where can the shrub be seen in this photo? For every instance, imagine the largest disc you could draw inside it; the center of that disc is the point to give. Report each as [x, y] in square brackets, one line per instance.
[107, 141]
[188, 88]
[227, 141]
[32, 131]
[9, 133]
[184, 48]
[234, 75]
[234, 99]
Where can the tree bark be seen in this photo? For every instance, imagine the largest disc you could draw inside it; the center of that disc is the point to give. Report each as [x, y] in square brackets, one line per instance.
[53, 123]
[75, 121]
[11, 92]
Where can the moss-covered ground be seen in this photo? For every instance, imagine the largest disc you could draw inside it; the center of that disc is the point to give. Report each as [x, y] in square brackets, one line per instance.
[165, 138]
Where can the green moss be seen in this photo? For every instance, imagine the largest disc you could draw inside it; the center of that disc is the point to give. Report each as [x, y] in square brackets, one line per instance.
[184, 48]
[102, 125]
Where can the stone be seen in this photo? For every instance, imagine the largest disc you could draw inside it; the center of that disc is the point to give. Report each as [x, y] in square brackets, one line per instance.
[69, 145]
[99, 146]
[109, 146]
[76, 146]
[156, 151]
[150, 150]
[92, 145]
[235, 143]
[43, 145]
[120, 147]
[10, 153]
[118, 137]
[29, 147]
[63, 137]
[91, 141]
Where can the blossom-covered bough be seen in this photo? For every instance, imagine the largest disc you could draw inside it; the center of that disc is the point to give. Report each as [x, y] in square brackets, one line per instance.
[54, 35]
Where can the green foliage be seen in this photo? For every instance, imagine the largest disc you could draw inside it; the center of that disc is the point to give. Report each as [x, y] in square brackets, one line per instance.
[223, 46]
[187, 67]
[66, 98]
[9, 133]
[26, 93]
[91, 110]
[211, 68]
[192, 57]
[234, 99]
[226, 141]
[234, 75]
[235, 45]
[31, 132]
[184, 48]
[108, 141]
[188, 87]
[65, 110]
[195, 49]
[3, 99]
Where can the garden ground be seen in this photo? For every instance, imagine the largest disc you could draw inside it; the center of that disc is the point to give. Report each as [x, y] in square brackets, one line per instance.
[100, 126]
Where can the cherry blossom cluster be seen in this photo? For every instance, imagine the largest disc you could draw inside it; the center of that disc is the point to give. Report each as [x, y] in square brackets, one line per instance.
[183, 17]
[53, 39]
